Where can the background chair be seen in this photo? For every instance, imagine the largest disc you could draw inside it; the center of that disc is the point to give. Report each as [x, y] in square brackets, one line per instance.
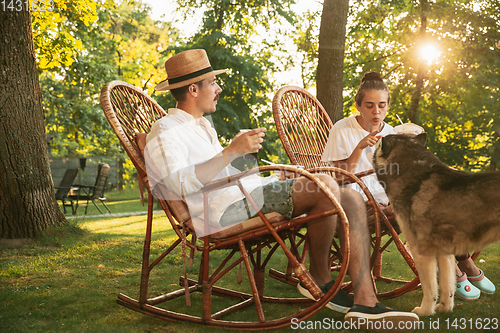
[303, 127]
[63, 189]
[94, 192]
[253, 243]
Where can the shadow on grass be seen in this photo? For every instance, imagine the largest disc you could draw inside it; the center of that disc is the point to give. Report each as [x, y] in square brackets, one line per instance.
[68, 280]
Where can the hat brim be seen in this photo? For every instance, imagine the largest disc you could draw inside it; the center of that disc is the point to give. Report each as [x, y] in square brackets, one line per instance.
[162, 86]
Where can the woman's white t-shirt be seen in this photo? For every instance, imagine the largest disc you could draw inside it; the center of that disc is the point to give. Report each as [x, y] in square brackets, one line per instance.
[343, 138]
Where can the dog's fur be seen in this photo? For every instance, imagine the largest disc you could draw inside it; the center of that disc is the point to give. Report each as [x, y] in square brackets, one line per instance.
[441, 211]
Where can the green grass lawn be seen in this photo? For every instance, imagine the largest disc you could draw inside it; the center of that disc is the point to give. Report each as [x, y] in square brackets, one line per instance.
[68, 280]
[118, 202]
[121, 206]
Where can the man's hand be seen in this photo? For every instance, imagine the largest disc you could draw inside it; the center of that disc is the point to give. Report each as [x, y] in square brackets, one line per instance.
[246, 142]
[243, 143]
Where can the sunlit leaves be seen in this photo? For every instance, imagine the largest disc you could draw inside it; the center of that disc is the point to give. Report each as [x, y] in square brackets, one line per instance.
[459, 106]
[229, 33]
[239, 17]
[122, 43]
[307, 42]
[54, 30]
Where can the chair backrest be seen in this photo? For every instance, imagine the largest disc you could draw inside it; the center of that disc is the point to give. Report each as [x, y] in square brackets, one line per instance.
[302, 124]
[66, 182]
[178, 208]
[100, 181]
[130, 112]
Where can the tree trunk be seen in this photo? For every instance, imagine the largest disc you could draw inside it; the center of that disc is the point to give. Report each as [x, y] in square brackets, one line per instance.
[331, 57]
[422, 66]
[27, 201]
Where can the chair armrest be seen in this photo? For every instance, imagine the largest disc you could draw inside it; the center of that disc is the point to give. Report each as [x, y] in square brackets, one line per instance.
[345, 177]
[348, 178]
[234, 181]
[364, 173]
[346, 181]
[231, 180]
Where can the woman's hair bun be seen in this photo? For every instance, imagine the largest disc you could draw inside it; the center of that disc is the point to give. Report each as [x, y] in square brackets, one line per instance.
[371, 76]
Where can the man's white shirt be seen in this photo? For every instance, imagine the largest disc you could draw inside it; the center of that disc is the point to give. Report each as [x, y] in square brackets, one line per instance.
[178, 142]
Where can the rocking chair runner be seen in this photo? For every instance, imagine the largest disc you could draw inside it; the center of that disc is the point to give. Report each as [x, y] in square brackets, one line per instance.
[303, 127]
[131, 113]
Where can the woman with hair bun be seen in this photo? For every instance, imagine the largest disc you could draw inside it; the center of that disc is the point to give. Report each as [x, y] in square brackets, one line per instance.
[351, 145]
[352, 140]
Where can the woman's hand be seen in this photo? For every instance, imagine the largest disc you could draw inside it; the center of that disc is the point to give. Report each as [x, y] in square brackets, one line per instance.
[369, 140]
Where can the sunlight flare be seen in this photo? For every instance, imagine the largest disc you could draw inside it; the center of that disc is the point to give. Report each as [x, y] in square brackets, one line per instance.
[430, 53]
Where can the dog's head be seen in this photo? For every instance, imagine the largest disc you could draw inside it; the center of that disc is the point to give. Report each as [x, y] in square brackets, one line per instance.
[393, 151]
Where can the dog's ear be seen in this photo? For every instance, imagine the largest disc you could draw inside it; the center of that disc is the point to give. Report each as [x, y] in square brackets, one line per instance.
[421, 138]
[384, 145]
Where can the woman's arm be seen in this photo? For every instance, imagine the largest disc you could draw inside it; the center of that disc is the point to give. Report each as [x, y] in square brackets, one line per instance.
[350, 164]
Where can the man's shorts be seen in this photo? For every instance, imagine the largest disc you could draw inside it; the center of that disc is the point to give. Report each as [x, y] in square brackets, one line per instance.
[277, 197]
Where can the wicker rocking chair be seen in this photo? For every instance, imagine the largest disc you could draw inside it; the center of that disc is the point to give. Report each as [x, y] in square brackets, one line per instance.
[131, 114]
[303, 127]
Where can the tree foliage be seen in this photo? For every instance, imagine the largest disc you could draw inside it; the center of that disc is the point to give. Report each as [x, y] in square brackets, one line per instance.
[459, 104]
[119, 42]
[229, 33]
[455, 96]
[54, 31]
[306, 38]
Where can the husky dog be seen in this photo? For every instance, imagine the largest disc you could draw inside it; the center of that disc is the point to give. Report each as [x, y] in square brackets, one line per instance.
[441, 211]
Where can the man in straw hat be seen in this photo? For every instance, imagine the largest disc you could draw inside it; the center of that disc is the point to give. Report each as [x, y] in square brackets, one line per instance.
[184, 149]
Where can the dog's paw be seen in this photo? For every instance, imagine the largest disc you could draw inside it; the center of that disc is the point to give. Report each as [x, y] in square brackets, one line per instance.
[441, 307]
[420, 311]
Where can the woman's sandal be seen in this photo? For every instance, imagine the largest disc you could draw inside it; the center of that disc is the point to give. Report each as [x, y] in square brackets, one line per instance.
[465, 290]
[482, 283]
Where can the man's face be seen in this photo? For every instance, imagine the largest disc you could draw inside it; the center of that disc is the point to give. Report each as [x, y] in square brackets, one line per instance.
[208, 95]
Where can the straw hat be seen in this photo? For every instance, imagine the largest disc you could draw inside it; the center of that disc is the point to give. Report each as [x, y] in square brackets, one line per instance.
[186, 68]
